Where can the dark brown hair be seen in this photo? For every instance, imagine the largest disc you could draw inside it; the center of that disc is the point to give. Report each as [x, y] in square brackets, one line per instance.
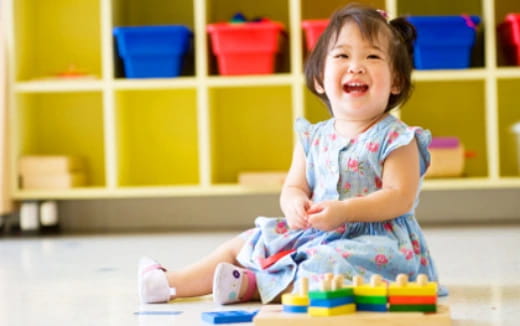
[371, 23]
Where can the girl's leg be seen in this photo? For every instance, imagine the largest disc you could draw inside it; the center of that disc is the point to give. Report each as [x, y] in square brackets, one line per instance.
[197, 279]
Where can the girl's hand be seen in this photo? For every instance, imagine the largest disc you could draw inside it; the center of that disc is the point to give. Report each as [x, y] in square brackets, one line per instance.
[327, 215]
[296, 213]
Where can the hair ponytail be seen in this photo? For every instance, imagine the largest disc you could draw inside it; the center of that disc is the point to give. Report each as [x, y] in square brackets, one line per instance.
[406, 31]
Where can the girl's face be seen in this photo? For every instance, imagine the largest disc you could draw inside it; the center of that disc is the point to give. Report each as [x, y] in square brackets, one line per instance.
[357, 76]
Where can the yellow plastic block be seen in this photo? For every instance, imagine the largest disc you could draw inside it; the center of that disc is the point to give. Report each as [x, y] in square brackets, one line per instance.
[295, 300]
[340, 310]
[369, 290]
[412, 289]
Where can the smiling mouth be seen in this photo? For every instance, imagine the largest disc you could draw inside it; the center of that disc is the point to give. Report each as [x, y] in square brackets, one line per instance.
[355, 88]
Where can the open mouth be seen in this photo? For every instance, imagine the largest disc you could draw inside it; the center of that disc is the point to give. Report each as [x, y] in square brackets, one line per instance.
[355, 88]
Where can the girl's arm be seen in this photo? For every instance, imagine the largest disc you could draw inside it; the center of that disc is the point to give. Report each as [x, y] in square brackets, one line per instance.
[294, 199]
[400, 178]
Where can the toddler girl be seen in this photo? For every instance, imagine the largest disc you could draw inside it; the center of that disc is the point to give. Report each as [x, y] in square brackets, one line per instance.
[352, 188]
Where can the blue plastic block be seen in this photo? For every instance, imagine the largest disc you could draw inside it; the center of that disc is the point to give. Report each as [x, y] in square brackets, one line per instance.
[295, 309]
[152, 51]
[371, 307]
[330, 303]
[227, 317]
[444, 42]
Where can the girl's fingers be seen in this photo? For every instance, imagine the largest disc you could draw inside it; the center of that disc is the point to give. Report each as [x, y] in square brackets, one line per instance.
[314, 209]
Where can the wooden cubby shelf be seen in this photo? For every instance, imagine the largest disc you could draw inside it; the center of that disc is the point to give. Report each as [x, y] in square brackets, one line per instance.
[192, 135]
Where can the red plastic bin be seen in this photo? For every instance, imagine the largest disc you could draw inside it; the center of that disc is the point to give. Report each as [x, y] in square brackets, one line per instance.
[245, 48]
[509, 31]
[313, 29]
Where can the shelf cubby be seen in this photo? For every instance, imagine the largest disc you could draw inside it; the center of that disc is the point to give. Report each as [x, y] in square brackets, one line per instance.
[45, 43]
[454, 108]
[502, 8]
[250, 130]
[154, 13]
[63, 124]
[508, 115]
[195, 133]
[157, 137]
[223, 10]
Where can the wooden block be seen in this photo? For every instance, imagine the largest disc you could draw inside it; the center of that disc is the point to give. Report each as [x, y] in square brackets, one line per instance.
[368, 290]
[401, 287]
[413, 289]
[413, 307]
[331, 303]
[272, 315]
[261, 179]
[413, 299]
[376, 287]
[371, 299]
[50, 164]
[371, 307]
[55, 181]
[447, 157]
[295, 300]
[334, 311]
[295, 309]
[344, 292]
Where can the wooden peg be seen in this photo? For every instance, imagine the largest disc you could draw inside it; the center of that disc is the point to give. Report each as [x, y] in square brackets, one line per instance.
[304, 286]
[402, 279]
[376, 280]
[337, 282]
[357, 280]
[422, 279]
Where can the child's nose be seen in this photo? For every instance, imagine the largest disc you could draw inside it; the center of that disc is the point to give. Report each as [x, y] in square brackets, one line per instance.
[356, 67]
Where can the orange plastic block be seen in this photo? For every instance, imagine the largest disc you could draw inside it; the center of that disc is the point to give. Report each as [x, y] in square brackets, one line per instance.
[409, 300]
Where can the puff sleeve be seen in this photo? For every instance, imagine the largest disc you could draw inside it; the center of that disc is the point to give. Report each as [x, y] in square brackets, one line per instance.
[305, 131]
[402, 135]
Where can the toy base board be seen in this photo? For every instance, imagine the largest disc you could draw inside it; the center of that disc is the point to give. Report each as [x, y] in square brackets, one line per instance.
[272, 315]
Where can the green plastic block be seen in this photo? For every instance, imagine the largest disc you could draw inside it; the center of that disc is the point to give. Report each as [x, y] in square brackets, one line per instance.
[344, 292]
[413, 307]
[363, 299]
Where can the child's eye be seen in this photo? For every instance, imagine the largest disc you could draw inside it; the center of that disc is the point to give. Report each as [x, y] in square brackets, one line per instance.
[341, 56]
[373, 56]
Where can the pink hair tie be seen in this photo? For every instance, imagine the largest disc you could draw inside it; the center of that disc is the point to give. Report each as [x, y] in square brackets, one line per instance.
[382, 13]
[469, 21]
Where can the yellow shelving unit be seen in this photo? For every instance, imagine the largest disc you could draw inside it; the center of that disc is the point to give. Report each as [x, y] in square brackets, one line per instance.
[193, 134]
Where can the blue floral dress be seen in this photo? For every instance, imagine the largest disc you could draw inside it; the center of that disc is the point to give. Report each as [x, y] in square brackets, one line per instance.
[339, 168]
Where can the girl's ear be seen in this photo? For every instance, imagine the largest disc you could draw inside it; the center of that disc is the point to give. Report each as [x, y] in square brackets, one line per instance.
[395, 90]
[318, 87]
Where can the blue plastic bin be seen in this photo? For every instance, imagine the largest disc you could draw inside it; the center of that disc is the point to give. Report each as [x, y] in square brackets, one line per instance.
[152, 51]
[444, 42]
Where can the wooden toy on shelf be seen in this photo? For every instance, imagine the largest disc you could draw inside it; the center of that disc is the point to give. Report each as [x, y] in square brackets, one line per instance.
[447, 157]
[262, 179]
[410, 304]
[51, 172]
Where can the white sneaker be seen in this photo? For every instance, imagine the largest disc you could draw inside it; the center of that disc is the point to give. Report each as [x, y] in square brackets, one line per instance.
[227, 282]
[152, 284]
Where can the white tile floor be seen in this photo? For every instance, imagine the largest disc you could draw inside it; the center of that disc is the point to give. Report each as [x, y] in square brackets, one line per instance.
[91, 280]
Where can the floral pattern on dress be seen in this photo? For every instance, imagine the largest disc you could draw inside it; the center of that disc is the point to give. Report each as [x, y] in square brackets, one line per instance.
[339, 168]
